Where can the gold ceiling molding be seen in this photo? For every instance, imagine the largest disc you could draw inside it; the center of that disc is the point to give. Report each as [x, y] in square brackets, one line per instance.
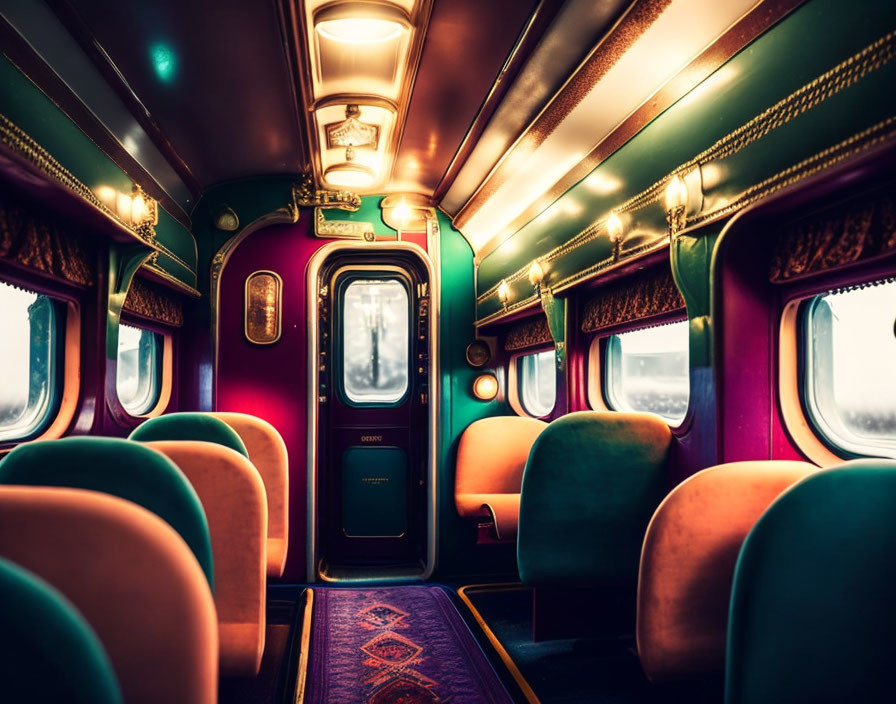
[602, 58]
[750, 26]
[797, 103]
[306, 195]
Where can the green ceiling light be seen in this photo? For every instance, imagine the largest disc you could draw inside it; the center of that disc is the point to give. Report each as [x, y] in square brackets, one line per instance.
[164, 61]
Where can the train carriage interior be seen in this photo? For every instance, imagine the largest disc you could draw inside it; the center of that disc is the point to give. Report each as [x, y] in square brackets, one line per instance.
[468, 351]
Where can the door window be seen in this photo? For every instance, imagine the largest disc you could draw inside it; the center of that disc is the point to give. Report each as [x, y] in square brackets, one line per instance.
[375, 326]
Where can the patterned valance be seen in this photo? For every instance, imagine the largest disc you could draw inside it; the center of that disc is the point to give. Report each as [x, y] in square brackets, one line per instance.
[853, 231]
[154, 302]
[533, 332]
[39, 241]
[633, 298]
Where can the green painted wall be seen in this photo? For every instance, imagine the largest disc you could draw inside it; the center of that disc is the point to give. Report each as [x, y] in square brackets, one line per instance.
[803, 46]
[22, 102]
[459, 407]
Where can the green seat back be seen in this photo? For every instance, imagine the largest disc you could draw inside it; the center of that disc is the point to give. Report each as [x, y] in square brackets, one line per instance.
[50, 653]
[189, 426]
[591, 484]
[122, 468]
[812, 610]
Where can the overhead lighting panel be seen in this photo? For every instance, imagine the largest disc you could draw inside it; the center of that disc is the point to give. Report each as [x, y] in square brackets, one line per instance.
[361, 57]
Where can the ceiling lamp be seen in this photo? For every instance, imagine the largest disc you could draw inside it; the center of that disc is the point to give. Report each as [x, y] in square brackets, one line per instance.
[349, 176]
[351, 133]
[360, 23]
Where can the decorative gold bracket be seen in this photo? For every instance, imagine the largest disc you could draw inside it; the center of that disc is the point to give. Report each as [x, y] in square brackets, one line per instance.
[306, 195]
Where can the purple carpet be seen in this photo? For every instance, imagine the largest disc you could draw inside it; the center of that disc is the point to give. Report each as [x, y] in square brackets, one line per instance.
[396, 645]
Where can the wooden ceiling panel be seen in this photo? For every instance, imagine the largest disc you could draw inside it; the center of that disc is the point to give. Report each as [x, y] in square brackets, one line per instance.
[213, 75]
[465, 49]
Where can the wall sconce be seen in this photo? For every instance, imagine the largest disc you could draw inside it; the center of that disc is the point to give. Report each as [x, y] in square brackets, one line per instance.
[614, 228]
[536, 276]
[676, 204]
[485, 387]
[137, 210]
[504, 293]
[262, 307]
[407, 212]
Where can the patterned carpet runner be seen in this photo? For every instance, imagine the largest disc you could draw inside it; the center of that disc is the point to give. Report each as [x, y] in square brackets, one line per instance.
[395, 645]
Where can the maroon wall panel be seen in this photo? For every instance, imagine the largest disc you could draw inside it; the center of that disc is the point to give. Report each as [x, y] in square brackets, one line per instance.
[270, 381]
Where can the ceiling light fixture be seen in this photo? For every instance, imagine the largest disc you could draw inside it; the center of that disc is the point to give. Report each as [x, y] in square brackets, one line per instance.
[349, 176]
[360, 23]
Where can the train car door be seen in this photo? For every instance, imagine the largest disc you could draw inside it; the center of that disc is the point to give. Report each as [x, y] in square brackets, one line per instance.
[373, 408]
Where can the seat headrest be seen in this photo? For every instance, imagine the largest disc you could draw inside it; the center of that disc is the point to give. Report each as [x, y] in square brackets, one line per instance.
[122, 468]
[45, 639]
[190, 426]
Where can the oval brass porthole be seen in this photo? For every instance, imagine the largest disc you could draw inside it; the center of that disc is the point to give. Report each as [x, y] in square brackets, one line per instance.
[263, 307]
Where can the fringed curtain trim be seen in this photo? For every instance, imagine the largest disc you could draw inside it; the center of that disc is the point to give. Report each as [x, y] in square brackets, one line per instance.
[35, 241]
[851, 232]
[154, 303]
[530, 333]
[634, 298]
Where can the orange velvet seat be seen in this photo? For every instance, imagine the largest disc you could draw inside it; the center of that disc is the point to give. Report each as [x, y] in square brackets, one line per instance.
[132, 577]
[491, 458]
[233, 496]
[688, 558]
[267, 451]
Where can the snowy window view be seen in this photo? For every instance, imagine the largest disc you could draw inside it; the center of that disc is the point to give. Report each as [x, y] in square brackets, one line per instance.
[375, 341]
[27, 363]
[850, 368]
[647, 370]
[137, 377]
[538, 382]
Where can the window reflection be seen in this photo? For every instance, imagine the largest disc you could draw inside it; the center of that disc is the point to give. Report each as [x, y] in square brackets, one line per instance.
[139, 369]
[375, 341]
[27, 361]
[538, 383]
[647, 370]
[850, 368]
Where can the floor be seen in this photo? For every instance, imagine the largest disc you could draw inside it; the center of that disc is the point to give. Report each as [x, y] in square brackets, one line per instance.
[571, 671]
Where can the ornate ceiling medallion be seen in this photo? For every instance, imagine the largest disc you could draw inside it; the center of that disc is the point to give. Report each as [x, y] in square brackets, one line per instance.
[352, 133]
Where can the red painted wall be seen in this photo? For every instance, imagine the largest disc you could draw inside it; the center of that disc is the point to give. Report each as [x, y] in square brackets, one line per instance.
[270, 381]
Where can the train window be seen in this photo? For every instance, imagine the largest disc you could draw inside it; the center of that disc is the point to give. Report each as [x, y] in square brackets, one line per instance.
[647, 370]
[28, 362]
[375, 315]
[139, 372]
[537, 382]
[849, 368]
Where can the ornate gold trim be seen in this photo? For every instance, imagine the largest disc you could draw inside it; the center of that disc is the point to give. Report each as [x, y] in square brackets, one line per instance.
[307, 196]
[828, 84]
[17, 140]
[342, 229]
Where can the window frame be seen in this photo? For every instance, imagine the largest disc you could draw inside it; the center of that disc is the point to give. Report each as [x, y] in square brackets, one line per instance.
[342, 279]
[515, 382]
[834, 444]
[601, 384]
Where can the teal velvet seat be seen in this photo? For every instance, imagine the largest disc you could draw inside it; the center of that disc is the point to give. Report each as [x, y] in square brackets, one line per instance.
[591, 484]
[122, 468]
[190, 426]
[50, 653]
[812, 614]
